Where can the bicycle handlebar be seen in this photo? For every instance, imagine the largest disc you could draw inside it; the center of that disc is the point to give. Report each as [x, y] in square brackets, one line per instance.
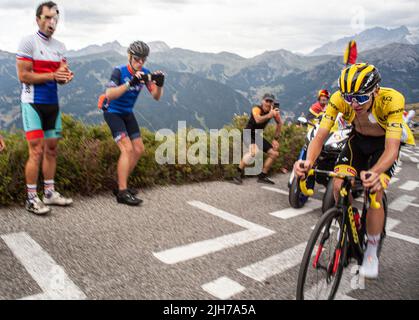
[309, 192]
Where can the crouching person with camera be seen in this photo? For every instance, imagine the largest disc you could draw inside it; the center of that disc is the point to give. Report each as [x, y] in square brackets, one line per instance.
[259, 118]
[117, 104]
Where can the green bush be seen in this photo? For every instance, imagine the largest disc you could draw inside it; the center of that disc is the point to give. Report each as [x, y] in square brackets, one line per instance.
[87, 159]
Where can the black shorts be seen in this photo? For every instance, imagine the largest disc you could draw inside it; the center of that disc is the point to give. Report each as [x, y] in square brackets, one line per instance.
[361, 153]
[266, 146]
[122, 125]
[41, 121]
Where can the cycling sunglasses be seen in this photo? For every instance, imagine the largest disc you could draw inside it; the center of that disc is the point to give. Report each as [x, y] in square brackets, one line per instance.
[361, 99]
[138, 59]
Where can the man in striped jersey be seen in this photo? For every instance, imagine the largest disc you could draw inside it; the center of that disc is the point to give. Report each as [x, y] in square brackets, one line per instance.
[40, 66]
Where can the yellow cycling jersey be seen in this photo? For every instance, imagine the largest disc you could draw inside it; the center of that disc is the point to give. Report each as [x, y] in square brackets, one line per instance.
[387, 111]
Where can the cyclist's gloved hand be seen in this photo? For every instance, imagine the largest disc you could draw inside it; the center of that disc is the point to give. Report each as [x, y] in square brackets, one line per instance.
[136, 80]
[146, 78]
[158, 78]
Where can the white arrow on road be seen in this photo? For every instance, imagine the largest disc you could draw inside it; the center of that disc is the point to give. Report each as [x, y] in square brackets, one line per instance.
[197, 249]
[264, 269]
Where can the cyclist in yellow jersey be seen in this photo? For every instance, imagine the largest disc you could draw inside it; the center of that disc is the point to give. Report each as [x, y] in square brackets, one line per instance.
[373, 146]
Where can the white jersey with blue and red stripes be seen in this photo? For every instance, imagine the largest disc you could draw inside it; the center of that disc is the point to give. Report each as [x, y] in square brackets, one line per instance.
[46, 54]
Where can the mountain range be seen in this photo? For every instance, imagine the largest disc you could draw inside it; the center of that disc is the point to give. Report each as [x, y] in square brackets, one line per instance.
[370, 39]
[206, 89]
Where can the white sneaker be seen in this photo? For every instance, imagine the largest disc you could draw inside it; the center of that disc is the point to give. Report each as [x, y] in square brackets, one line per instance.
[369, 268]
[36, 206]
[57, 199]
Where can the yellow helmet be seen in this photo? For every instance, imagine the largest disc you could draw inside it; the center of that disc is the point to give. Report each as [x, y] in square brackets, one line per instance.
[359, 78]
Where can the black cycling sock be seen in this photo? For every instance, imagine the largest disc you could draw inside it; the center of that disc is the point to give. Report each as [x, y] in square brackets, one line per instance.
[239, 170]
[262, 175]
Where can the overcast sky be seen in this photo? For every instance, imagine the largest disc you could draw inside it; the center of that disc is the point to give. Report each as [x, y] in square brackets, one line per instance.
[245, 27]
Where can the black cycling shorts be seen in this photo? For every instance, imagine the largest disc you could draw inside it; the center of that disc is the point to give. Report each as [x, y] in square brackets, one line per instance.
[41, 121]
[361, 153]
[122, 125]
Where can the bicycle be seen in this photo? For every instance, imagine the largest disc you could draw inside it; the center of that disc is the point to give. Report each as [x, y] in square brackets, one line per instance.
[351, 238]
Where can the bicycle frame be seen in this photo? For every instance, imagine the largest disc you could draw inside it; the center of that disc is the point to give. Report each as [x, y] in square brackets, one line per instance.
[348, 226]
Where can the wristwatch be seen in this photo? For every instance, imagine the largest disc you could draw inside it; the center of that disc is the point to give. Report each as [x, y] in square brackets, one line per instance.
[127, 84]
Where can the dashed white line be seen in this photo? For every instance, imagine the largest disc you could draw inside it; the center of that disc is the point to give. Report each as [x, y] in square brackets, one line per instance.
[281, 191]
[201, 248]
[408, 150]
[410, 185]
[264, 269]
[311, 205]
[413, 159]
[391, 223]
[50, 277]
[223, 288]
[401, 203]
[402, 237]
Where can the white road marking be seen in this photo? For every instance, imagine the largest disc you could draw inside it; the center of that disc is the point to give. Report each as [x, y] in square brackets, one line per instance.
[50, 277]
[223, 288]
[311, 205]
[391, 223]
[414, 205]
[276, 264]
[402, 237]
[281, 191]
[398, 166]
[201, 248]
[410, 185]
[393, 180]
[401, 203]
[408, 150]
[340, 296]
[413, 159]
[345, 286]
[360, 200]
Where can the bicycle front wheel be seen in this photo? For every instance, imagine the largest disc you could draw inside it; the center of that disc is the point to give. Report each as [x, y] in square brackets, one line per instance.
[323, 261]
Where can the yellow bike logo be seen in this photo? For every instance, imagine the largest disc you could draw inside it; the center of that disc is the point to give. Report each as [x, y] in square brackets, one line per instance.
[353, 226]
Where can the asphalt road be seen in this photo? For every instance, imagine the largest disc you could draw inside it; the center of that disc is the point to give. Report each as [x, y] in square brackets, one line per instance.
[210, 240]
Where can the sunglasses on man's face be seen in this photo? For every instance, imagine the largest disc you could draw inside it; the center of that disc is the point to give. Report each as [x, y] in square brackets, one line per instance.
[139, 59]
[269, 101]
[360, 99]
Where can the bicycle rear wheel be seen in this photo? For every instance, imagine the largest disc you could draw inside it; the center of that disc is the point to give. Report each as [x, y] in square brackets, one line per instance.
[323, 261]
